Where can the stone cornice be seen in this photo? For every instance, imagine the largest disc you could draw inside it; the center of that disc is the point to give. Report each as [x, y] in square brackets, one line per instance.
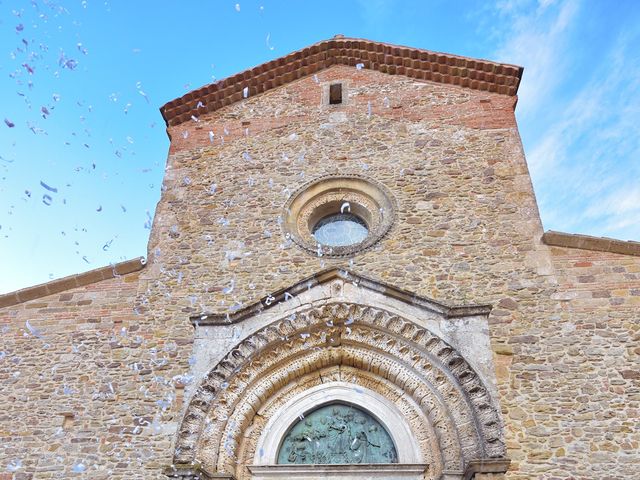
[72, 281]
[352, 471]
[416, 63]
[486, 465]
[324, 276]
[586, 242]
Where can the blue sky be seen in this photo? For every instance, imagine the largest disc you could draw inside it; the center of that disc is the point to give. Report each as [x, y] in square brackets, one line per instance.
[81, 83]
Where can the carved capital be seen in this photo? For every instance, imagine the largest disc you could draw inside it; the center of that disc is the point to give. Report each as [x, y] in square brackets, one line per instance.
[486, 469]
[194, 471]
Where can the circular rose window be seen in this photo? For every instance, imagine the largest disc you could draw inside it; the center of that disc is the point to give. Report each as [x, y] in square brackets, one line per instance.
[338, 216]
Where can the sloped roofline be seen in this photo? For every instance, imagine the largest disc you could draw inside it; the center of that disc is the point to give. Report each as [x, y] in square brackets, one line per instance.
[383, 57]
[587, 242]
[72, 281]
[324, 276]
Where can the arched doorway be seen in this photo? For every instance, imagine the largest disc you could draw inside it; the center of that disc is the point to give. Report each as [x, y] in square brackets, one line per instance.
[436, 408]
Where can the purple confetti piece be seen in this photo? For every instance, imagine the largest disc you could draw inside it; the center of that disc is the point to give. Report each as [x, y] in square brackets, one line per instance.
[29, 68]
[71, 64]
[51, 189]
[19, 27]
[47, 200]
[9, 123]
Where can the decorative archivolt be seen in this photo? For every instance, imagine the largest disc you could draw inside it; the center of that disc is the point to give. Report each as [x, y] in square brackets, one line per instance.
[448, 409]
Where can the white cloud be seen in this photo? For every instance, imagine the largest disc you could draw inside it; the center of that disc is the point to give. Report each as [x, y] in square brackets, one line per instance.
[581, 131]
[537, 41]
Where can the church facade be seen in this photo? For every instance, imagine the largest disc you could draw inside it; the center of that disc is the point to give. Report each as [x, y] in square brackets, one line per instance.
[347, 277]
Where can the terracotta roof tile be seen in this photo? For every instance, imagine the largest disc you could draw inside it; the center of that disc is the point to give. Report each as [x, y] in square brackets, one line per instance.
[392, 59]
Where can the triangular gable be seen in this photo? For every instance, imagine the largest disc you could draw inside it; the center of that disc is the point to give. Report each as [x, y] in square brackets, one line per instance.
[326, 276]
[392, 59]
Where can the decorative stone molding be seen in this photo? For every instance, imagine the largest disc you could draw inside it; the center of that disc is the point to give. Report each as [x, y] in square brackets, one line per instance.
[427, 371]
[327, 276]
[367, 199]
[339, 472]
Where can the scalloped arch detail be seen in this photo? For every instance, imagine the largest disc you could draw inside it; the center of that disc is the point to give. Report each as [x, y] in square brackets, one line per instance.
[422, 374]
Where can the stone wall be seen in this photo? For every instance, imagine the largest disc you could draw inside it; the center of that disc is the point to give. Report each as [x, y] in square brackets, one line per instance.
[467, 231]
[88, 385]
[574, 378]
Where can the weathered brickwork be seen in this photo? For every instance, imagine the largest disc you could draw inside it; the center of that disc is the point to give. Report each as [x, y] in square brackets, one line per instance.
[98, 373]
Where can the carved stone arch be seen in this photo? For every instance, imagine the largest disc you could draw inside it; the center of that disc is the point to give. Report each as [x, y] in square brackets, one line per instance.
[248, 429]
[369, 340]
[311, 398]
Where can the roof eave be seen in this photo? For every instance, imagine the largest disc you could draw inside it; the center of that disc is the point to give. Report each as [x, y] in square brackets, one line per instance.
[477, 74]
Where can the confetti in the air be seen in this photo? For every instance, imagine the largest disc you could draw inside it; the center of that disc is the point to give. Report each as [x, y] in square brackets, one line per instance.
[230, 288]
[48, 187]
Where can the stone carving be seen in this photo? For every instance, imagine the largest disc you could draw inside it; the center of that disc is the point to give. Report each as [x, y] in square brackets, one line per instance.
[424, 367]
[369, 200]
[337, 434]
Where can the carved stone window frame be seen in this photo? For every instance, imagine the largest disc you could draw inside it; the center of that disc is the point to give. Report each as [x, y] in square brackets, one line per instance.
[367, 199]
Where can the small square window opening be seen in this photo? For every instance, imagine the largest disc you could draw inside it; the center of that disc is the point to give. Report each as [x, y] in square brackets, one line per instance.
[335, 93]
